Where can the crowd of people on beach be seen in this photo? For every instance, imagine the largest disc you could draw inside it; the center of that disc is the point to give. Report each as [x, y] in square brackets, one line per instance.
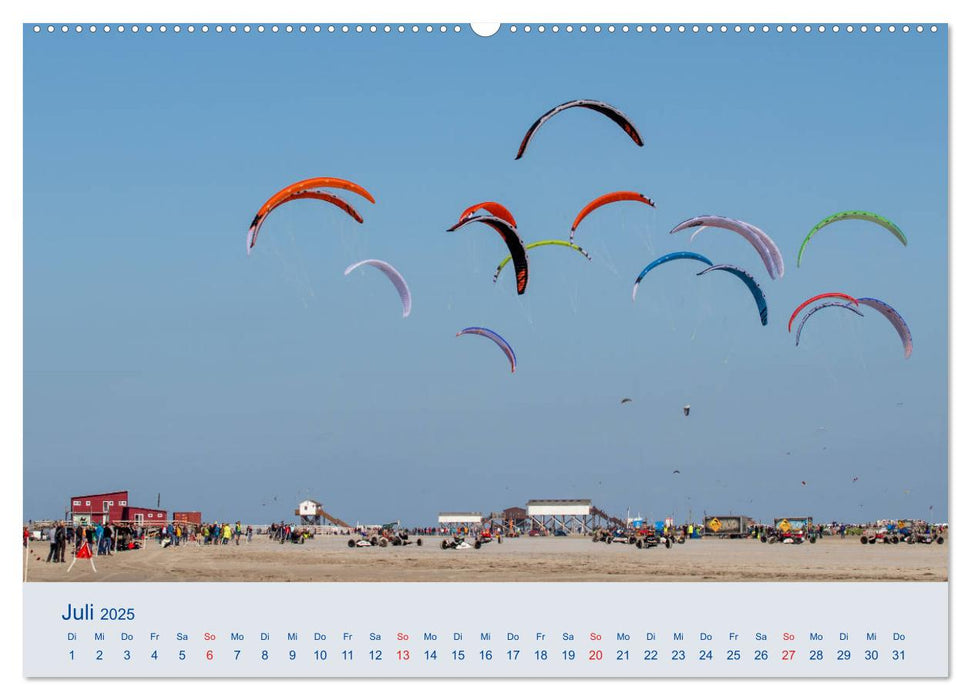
[101, 539]
[107, 538]
[222, 533]
[285, 532]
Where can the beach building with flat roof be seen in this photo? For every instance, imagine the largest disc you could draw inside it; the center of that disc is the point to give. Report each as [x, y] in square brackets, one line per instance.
[570, 515]
[559, 506]
[98, 507]
[312, 512]
[508, 520]
[514, 513]
[111, 507]
[460, 518]
[145, 516]
[308, 507]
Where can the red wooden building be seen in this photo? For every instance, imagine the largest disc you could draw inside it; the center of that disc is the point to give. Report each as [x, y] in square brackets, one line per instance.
[99, 507]
[193, 517]
[144, 516]
[111, 507]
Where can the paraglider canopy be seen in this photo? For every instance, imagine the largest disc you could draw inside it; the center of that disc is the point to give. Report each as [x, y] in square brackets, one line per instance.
[687, 408]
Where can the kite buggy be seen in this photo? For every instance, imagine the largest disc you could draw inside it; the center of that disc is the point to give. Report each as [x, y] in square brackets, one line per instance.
[643, 536]
[459, 542]
[390, 533]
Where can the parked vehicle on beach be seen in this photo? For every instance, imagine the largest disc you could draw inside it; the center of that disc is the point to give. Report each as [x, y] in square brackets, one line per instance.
[390, 533]
[792, 530]
[728, 526]
[880, 535]
[459, 542]
[642, 537]
[611, 535]
[927, 538]
[920, 532]
[646, 537]
[906, 531]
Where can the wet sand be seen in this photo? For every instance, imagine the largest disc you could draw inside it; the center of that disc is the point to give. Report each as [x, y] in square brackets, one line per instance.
[328, 558]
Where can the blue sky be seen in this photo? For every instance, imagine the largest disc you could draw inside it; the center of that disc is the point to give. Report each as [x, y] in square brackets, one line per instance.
[159, 358]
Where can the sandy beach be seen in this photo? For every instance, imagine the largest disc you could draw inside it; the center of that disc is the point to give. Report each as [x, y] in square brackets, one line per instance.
[328, 558]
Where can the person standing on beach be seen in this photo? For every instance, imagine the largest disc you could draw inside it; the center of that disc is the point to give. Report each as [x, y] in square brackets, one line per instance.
[108, 538]
[60, 536]
[237, 532]
[249, 533]
[52, 536]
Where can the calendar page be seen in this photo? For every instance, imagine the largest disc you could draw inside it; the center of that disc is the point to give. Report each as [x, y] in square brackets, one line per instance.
[428, 349]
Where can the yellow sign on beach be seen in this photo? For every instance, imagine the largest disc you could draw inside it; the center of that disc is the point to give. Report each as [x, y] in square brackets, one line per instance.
[714, 524]
[784, 525]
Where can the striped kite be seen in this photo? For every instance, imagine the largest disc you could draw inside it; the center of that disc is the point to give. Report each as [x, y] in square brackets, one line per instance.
[304, 189]
[517, 249]
[818, 307]
[494, 208]
[895, 319]
[825, 295]
[494, 337]
[752, 285]
[605, 109]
